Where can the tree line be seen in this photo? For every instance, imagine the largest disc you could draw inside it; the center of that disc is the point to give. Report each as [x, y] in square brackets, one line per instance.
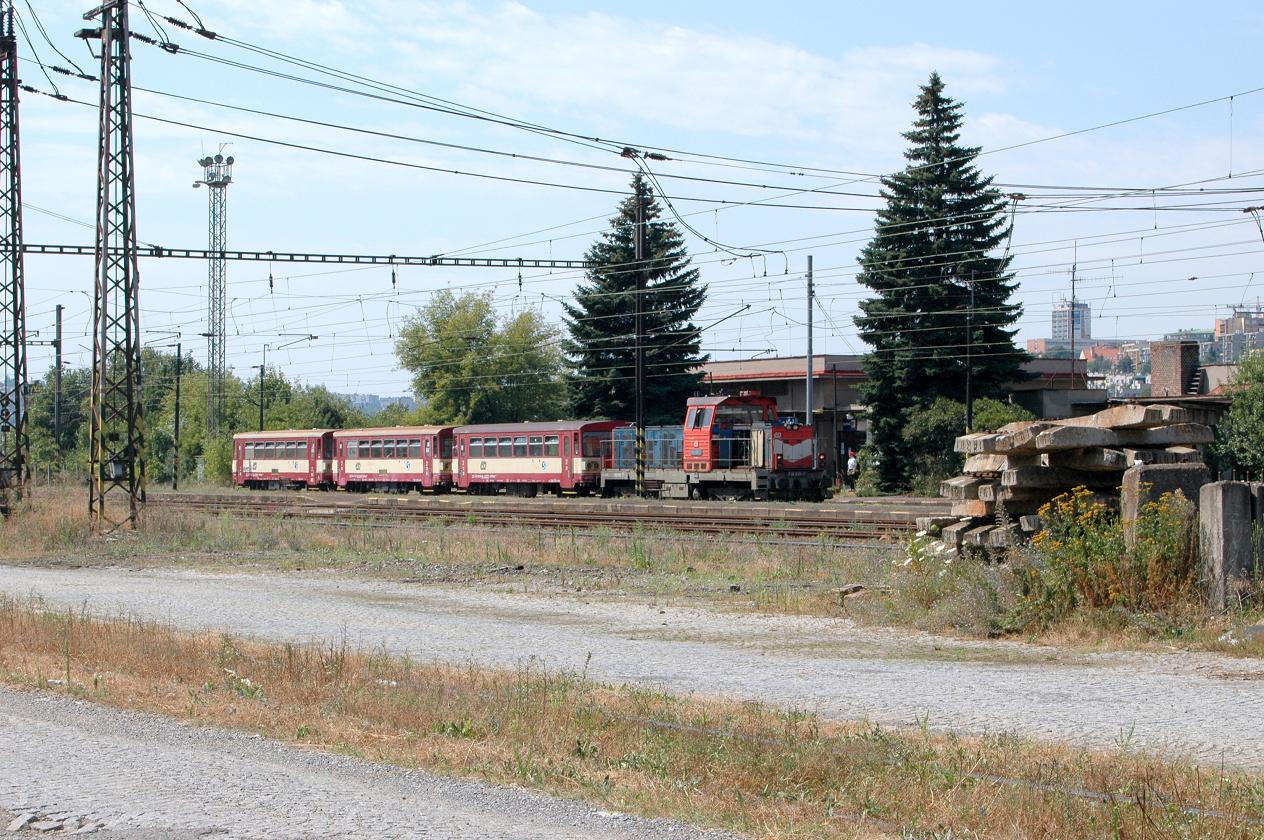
[939, 323]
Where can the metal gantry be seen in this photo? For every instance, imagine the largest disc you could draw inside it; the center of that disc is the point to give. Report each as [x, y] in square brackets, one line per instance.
[14, 463]
[117, 447]
[217, 175]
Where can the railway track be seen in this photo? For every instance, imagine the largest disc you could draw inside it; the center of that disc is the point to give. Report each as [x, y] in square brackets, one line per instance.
[860, 519]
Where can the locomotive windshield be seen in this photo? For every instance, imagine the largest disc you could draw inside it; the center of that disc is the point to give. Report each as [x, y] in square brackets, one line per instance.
[740, 415]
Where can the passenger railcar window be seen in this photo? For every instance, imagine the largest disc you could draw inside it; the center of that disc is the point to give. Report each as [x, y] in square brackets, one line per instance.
[520, 447]
[506, 447]
[537, 446]
[414, 448]
[388, 449]
[592, 445]
[550, 446]
[352, 449]
[476, 448]
[375, 449]
[302, 450]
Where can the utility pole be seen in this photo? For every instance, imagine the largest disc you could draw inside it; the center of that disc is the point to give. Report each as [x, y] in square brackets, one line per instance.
[970, 359]
[117, 449]
[1071, 322]
[640, 257]
[217, 174]
[175, 466]
[807, 387]
[262, 368]
[57, 377]
[15, 469]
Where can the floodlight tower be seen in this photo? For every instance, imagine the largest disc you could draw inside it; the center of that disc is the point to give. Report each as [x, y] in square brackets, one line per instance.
[217, 174]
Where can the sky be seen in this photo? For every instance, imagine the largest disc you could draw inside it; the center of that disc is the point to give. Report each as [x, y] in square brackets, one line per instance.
[1134, 131]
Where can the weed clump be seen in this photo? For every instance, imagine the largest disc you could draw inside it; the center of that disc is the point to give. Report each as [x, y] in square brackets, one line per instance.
[1088, 559]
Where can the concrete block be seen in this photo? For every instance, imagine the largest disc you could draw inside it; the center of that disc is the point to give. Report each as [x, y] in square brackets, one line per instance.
[1022, 440]
[1001, 493]
[996, 462]
[1170, 455]
[1030, 523]
[961, 487]
[1084, 437]
[1147, 482]
[1093, 460]
[1057, 477]
[979, 442]
[1004, 537]
[934, 524]
[951, 535]
[1224, 539]
[973, 507]
[1131, 416]
[978, 535]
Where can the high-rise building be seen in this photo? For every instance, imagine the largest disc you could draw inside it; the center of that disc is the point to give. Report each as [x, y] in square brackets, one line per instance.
[1072, 320]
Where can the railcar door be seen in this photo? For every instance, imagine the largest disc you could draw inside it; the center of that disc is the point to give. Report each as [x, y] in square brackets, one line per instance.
[568, 464]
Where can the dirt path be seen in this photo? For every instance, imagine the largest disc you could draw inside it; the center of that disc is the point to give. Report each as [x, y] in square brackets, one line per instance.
[1201, 705]
[140, 776]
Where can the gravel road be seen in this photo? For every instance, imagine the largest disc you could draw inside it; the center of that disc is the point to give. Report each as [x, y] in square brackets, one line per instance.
[1202, 706]
[145, 777]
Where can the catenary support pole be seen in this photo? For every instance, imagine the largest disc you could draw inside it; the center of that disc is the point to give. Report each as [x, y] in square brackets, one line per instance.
[639, 328]
[175, 465]
[14, 455]
[809, 360]
[117, 448]
[57, 368]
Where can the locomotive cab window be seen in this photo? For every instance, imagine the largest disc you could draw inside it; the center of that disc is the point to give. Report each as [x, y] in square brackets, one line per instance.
[699, 418]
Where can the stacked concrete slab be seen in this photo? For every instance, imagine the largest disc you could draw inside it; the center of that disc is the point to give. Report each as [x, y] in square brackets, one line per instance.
[1022, 466]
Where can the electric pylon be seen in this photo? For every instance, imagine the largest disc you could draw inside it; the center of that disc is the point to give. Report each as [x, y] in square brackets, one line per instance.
[14, 466]
[217, 175]
[117, 452]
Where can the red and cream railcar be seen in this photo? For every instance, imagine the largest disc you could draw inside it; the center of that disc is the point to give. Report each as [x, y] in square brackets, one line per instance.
[291, 459]
[523, 459]
[398, 459]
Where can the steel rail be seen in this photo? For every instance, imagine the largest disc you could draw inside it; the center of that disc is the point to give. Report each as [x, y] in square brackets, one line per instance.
[868, 523]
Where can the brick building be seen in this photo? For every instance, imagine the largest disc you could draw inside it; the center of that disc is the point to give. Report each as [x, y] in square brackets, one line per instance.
[1174, 368]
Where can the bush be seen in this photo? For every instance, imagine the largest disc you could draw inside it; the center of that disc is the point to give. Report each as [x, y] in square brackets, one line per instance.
[219, 460]
[1082, 560]
[990, 415]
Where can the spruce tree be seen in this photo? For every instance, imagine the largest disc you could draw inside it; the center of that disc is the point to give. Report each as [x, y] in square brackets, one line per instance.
[600, 322]
[940, 233]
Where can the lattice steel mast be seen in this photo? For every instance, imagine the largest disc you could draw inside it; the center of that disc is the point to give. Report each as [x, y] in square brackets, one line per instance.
[14, 465]
[116, 454]
[217, 175]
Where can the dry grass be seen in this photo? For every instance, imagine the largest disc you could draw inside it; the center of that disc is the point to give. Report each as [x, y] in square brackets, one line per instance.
[744, 767]
[903, 587]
